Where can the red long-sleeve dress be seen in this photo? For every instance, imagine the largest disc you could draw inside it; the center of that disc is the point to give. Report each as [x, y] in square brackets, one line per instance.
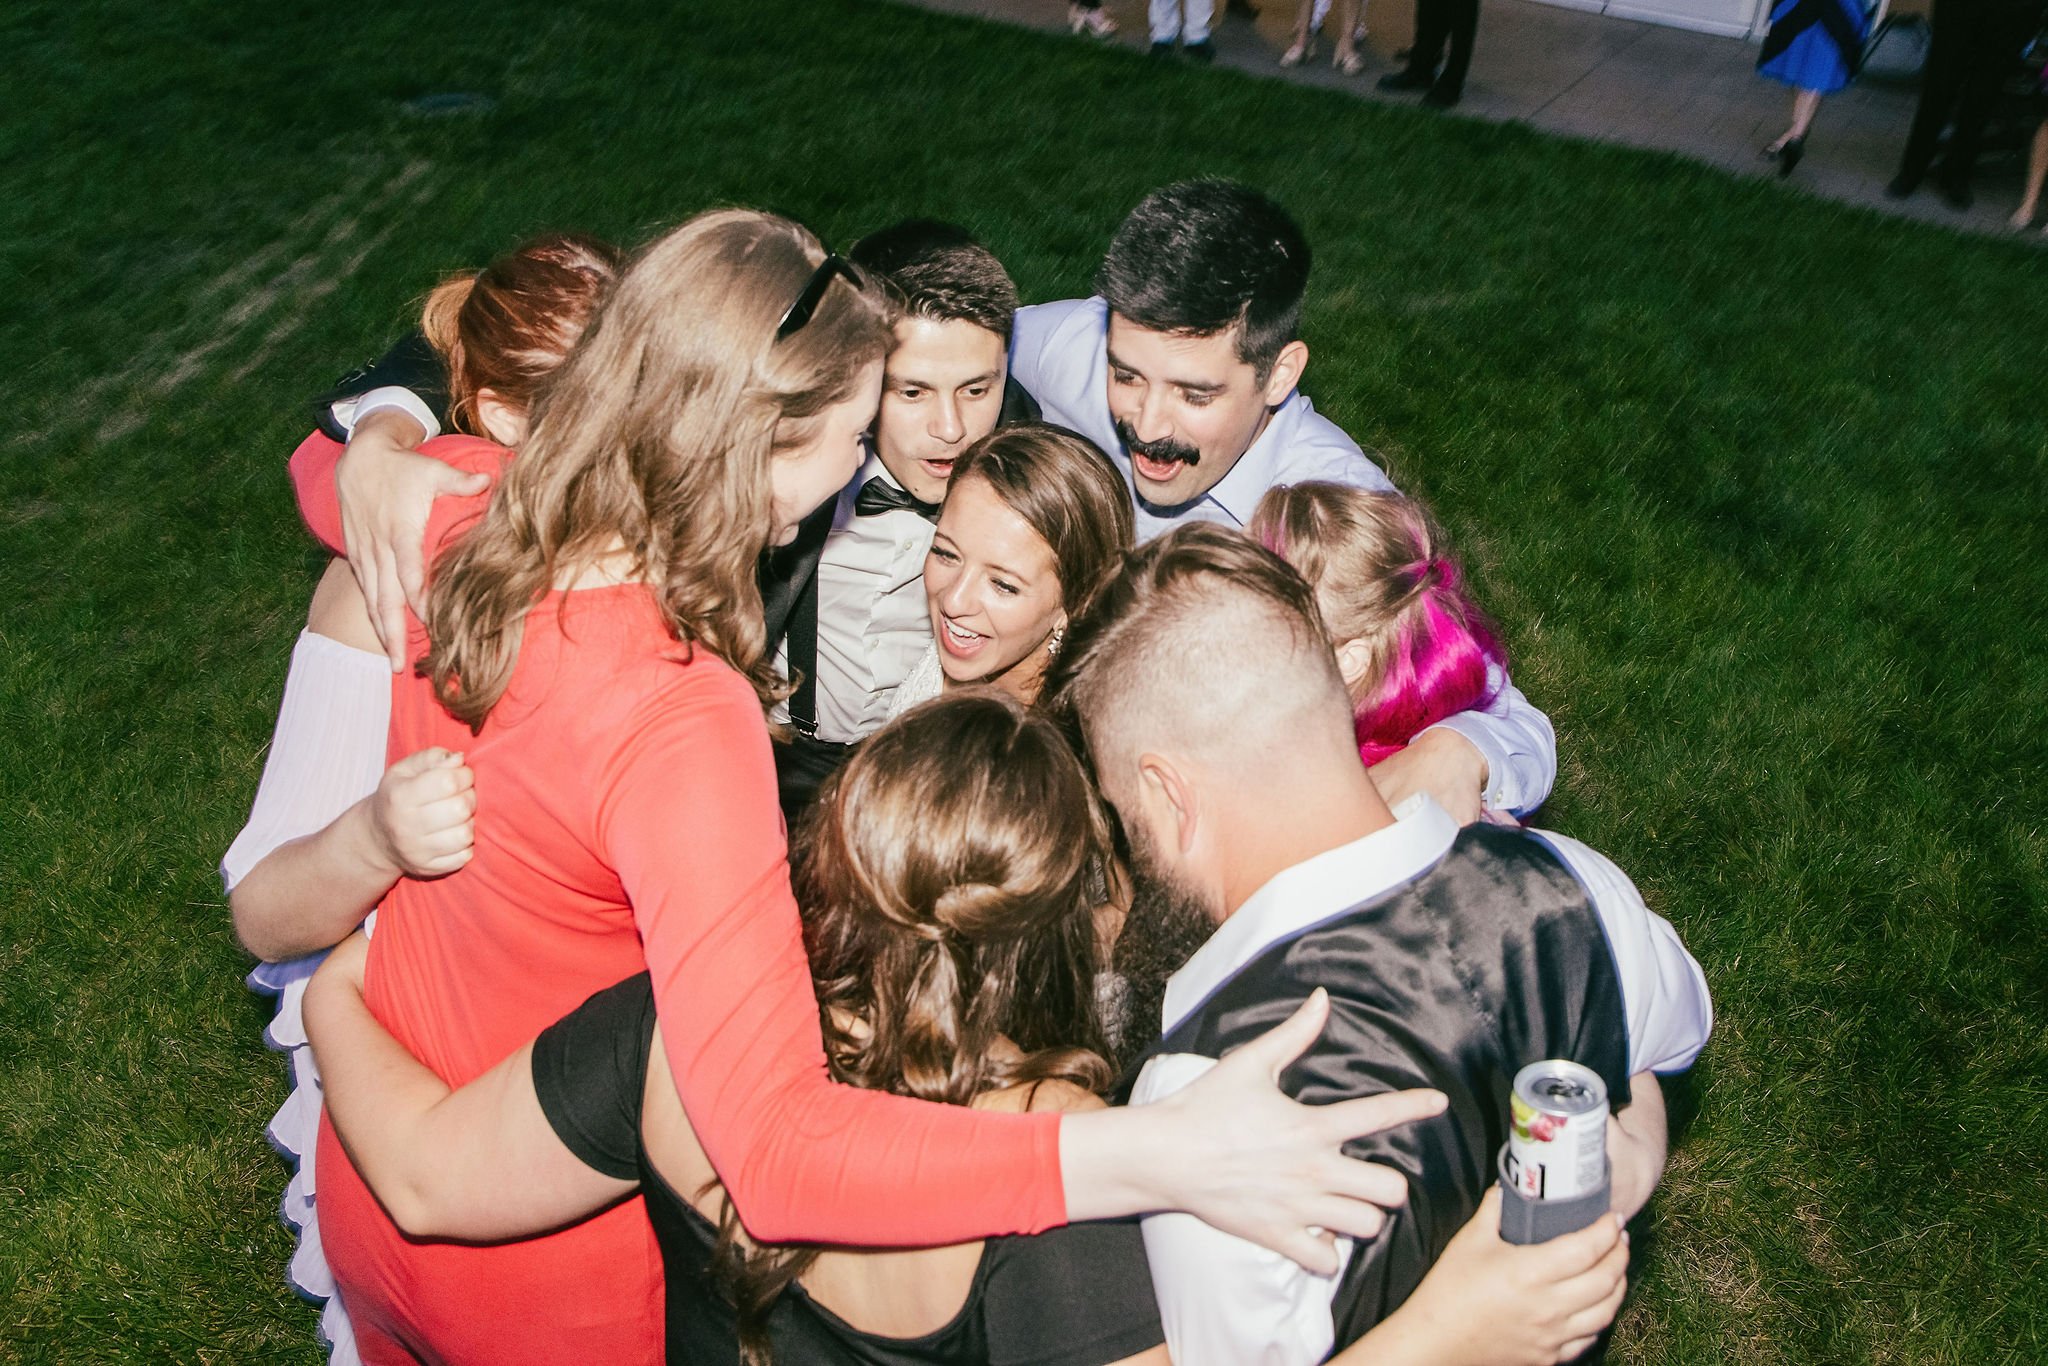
[626, 817]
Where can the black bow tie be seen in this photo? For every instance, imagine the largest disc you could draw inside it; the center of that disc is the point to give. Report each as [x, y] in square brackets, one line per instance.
[879, 495]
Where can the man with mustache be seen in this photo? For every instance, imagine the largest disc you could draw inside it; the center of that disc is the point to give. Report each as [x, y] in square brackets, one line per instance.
[1267, 865]
[1186, 368]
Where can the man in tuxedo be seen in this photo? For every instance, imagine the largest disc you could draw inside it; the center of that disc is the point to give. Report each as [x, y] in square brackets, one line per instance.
[1186, 367]
[1218, 727]
[857, 622]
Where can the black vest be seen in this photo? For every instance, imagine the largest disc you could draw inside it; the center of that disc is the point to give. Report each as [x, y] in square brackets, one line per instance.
[1492, 959]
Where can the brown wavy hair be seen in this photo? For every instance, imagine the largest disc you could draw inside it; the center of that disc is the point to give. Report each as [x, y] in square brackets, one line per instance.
[508, 327]
[948, 885]
[656, 435]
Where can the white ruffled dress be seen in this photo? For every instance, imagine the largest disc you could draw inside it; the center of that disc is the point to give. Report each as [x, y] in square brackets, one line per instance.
[326, 754]
[926, 681]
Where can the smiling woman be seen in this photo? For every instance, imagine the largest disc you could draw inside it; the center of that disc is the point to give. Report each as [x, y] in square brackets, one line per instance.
[1034, 516]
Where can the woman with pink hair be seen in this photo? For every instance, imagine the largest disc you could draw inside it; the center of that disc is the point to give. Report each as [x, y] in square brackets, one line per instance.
[1412, 646]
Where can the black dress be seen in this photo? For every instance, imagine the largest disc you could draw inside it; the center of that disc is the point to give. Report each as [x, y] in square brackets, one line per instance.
[1075, 1296]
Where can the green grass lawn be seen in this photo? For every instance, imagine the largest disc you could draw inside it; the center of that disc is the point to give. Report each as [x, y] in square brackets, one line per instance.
[1752, 480]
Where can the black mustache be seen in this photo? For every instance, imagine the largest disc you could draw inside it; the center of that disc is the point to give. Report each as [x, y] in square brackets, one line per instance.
[1177, 451]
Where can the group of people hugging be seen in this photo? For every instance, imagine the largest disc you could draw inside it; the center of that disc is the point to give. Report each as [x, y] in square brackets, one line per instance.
[821, 815]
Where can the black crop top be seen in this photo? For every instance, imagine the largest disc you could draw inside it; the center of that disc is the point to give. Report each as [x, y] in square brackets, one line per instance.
[1074, 1296]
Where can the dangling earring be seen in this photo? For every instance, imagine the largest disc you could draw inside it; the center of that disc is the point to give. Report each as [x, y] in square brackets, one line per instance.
[1052, 644]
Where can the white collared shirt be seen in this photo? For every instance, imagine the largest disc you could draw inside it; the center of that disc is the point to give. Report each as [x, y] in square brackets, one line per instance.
[1059, 352]
[873, 626]
[1225, 1300]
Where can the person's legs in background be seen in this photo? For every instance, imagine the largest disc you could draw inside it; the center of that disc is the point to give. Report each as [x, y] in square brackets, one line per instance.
[1346, 58]
[1991, 53]
[1941, 82]
[1789, 147]
[1432, 27]
[1461, 18]
[1164, 19]
[2037, 172]
[1086, 17]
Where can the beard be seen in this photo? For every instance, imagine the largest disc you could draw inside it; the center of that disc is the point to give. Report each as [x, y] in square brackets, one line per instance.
[1179, 452]
[1167, 922]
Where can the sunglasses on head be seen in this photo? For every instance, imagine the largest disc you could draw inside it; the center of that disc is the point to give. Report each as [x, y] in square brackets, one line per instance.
[806, 304]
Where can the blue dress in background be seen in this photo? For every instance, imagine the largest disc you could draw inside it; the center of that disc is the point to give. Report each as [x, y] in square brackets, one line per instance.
[1814, 44]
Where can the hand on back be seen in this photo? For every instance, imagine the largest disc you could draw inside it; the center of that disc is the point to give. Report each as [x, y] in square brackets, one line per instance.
[424, 814]
[1272, 1171]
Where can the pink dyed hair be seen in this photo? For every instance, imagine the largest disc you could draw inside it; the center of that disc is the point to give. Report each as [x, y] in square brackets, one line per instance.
[1384, 577]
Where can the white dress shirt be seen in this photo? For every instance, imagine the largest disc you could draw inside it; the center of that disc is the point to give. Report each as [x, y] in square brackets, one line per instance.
[873, 626]
[1060, 353]
[1225, 1300]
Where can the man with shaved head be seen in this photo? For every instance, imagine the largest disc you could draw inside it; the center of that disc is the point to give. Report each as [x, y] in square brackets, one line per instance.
[1212, 711]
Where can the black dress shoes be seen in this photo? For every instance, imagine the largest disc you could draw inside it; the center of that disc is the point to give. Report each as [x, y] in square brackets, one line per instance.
[1902, 186]
[1408, 78]
[1441, 96]
[1203, 52]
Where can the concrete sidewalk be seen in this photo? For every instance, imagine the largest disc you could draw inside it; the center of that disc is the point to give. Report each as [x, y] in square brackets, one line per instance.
[1615, 80]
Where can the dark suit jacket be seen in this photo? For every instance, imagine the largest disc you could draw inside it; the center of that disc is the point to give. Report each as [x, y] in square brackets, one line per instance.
[1489, 961]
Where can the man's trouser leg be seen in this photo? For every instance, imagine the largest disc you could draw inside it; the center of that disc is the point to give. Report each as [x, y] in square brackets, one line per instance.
[1462, 19]
[1432, 26]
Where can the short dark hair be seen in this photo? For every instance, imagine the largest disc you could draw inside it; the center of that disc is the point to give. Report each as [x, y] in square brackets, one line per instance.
[937, 270]
[1201, 256]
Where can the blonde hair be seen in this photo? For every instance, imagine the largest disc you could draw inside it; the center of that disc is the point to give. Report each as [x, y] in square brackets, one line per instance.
[1384, 577]
[656, 434]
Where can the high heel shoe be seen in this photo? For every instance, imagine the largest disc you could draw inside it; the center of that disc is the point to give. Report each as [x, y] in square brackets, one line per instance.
[1786, 152]
[1347, 63]
[1300, 51]
[1789, 154]
[1092, 23]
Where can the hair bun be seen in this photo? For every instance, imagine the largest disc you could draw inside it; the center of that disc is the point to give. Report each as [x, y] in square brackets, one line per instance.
[969, 908]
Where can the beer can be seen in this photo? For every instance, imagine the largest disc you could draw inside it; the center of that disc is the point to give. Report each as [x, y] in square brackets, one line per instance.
[1557, 1138]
